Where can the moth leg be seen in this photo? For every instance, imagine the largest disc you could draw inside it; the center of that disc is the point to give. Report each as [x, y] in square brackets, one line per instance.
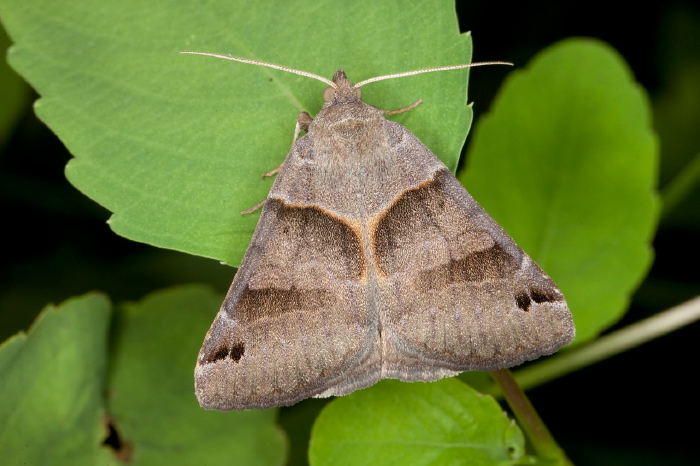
[253, 209]
[401, 110]
[273, 172]
[303, 123]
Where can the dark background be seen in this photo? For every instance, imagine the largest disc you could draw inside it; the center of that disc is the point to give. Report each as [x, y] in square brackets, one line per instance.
[635, 408]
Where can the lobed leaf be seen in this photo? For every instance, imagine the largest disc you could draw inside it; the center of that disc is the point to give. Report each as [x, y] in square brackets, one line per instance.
[174, 145]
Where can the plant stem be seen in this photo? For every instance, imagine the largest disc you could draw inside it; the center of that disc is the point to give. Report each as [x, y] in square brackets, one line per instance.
[678, 189]
[542, 441]
[611, 344]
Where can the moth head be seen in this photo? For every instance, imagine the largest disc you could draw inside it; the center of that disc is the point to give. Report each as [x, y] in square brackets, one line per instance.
[342, 90]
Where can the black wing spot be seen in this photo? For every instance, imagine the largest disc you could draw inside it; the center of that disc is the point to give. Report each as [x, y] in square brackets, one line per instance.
[217, 355]
[543, 296]
[537, 295]
[523, 301]
[237, 352]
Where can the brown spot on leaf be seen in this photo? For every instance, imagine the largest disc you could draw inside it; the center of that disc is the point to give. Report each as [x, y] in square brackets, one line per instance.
[123, 451]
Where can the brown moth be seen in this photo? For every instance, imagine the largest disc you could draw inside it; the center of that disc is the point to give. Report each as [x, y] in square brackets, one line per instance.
[371, 261]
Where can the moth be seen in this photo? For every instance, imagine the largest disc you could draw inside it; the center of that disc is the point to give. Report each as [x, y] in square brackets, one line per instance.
[370, 261]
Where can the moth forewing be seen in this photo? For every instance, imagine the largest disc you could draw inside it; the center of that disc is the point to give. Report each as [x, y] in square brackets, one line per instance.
[371, 261]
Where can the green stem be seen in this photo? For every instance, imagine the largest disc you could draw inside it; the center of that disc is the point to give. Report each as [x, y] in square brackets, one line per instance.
[542, 441]
[678, 189]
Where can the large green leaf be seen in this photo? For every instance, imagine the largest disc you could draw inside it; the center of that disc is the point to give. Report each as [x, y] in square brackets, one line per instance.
[174, 144]
[51, 387]
[567, 163]
[151, 388]
[444, 422]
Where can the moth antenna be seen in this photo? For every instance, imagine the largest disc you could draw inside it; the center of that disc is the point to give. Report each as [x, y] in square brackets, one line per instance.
[269, 65]
[430, 70]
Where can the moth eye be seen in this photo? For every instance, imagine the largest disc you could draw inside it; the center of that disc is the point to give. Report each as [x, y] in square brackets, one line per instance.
[358, 92]
[329, 94]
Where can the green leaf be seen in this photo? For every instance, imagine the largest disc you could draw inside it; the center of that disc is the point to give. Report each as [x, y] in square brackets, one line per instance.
[52, 384]
[174, 144]
[444, 422]
[567, 163]
[151, 387]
